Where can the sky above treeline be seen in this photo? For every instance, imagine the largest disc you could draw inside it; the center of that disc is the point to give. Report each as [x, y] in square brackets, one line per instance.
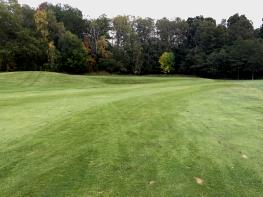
[156, 9]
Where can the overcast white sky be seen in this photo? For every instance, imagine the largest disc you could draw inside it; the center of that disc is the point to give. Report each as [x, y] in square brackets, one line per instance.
[156, 9]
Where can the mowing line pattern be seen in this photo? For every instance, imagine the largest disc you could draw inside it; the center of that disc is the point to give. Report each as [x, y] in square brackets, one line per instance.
[65, 135]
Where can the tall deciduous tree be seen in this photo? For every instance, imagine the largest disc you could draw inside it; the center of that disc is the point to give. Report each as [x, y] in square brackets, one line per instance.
[72, 18]
[247, 55]
[41, 21]
[239, 28]
[96, 28]
[73, 57]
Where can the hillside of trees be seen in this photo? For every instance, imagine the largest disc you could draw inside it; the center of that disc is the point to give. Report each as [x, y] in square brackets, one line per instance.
[59, 38]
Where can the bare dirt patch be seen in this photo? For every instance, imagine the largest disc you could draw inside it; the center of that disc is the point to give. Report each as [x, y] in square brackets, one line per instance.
[244, 156]
[199, 181]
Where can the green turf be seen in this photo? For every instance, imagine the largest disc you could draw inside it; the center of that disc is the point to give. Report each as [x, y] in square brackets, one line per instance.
[63, 135]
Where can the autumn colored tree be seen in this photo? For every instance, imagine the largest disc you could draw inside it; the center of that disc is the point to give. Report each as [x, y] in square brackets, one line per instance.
[167, 62]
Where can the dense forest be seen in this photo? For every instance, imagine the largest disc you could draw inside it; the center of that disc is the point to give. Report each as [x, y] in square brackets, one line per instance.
[59, 38]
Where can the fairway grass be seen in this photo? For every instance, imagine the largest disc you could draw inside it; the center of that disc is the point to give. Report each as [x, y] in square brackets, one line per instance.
[64, 135]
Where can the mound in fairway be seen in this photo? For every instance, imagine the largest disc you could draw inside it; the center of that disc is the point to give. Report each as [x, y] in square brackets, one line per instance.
[63, 135]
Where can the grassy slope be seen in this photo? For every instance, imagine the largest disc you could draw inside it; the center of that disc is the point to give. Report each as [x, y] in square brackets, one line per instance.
[67, 135]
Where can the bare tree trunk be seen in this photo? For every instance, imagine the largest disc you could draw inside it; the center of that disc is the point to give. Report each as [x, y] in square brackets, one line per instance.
[238, 74]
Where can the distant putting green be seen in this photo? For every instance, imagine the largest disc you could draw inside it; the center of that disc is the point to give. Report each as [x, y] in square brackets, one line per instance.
[63, 135]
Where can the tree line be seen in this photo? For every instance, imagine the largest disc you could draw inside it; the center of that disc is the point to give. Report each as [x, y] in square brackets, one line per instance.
[59, 38]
